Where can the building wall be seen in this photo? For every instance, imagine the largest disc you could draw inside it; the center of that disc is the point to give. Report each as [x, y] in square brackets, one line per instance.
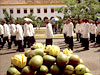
[41, 7]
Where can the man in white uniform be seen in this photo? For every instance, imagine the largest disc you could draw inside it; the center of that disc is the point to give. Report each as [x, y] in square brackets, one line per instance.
[13, 32]
[86, 35]
[70, 33]
[19, 37]
[92, 28]
[26, 35]
[78, 30]
[32, 32]
[7, 35]
[64, 31]
[81, 32]
[49, 32]
[98, 34]
[1, 34]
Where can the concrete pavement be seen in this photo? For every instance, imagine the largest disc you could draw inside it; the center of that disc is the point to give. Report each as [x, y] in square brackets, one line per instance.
[90, 57]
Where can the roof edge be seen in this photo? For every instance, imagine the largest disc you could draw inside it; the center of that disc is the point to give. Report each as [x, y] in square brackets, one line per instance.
[30, 4]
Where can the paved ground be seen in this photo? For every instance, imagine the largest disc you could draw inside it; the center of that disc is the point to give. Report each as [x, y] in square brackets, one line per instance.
[90, 57]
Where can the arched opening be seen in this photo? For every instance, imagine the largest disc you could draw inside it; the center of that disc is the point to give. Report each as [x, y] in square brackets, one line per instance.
[39, 18]
[45, 18]
[51, 18]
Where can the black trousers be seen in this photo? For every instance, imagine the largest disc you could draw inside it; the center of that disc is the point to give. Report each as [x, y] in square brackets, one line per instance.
[13, 39]
[77, 35]
[4, 41]
[80, 38]
[98, 39]
[86, 43]
[71, 43]
[32, 40]
[92, 37]
[49, 41]
[20, 46]
[27, 41]
[66, 38]
[1, 39]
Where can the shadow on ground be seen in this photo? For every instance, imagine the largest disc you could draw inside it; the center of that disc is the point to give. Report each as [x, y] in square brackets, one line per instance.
[7, 53]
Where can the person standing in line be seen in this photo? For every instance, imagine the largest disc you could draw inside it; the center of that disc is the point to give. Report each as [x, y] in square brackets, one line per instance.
[49, 32]
[78, 30]
[7, 35]
[26, 35]
[32, 32]
[64, 31]
[81, 32]
[19, 37]
[1, 34]
[13, 32]
[86, 35]
[90, 27]
[56, 27]
[70, 33]
[98, 34]
[93, 31]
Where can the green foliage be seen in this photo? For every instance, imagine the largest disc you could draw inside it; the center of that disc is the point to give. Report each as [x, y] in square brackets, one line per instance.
[8, 17]
[87, 8]
[0, 20]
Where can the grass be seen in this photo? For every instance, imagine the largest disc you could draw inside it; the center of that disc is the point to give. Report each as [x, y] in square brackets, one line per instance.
[41, 33]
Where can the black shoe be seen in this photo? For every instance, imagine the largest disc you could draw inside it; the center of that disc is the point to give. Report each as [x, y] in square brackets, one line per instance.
[17, 50]
[86, 48]
[21, 51]
[9, 47]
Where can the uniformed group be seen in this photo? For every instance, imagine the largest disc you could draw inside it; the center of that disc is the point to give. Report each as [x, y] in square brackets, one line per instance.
[85, 31]
[21, 35]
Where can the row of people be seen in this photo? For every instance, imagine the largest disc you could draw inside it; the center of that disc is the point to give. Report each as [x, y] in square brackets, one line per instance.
[84, 30]
[68, 33]
[88, 29]
[17, 33]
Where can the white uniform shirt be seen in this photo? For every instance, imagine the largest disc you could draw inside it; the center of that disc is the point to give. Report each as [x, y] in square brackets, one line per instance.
[98, 30]
[86, 30]
[93, 29]
[70, 30]
[82, 29]
[13, 29]
[1, 30]
[64, 29]
[6, 31]
[31, 29]
[19, 32]
[78, 28]
[26, 30]
[49, 31]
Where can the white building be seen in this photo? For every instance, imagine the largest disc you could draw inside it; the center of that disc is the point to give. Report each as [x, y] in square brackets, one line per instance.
[40, 8]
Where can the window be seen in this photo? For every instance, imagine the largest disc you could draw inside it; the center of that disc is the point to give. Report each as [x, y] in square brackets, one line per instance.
[45, 10]
[52, 10]
[11, 11]
[18, 11]
[25, 11]
[38, 10]
[4, 10]
[31, 10]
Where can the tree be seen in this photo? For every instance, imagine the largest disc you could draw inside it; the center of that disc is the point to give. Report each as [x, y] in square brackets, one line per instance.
[8, 17]
[77, 9]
